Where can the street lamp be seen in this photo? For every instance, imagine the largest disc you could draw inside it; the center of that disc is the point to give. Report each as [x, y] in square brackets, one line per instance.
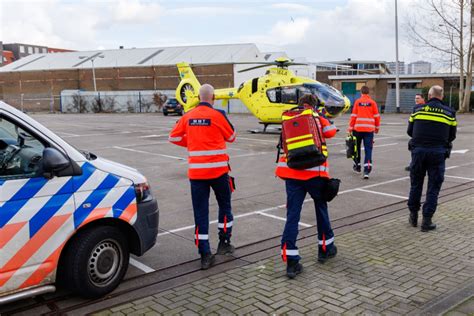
[93, 68]
[397, 74]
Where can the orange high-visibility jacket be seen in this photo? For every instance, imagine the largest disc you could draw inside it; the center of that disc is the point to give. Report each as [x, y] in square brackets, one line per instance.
[285, 172]
[365, 115]
[204, 131]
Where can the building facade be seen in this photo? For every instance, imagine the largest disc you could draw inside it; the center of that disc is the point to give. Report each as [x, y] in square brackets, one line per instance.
[35, 82]
[419, 67]
[392, 66]
[15, 51]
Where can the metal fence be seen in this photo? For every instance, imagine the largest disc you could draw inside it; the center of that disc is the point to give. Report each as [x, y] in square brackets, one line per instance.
[34, 102]
[76, 101]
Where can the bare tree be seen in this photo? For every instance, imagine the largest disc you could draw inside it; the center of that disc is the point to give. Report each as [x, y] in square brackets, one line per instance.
[444, 28]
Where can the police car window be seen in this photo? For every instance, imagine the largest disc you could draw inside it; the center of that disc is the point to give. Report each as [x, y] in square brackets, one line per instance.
[20, 152]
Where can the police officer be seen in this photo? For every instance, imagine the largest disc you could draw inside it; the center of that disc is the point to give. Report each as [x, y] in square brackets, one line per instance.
[298, 183]
[432, 128]
[365, 120]
[204, 131]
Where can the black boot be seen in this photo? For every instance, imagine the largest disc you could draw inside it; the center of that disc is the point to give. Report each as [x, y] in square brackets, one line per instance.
[225, 248]
[323, 256]
[413, 219]
[427, 224]
[207, 260]
[293, 268]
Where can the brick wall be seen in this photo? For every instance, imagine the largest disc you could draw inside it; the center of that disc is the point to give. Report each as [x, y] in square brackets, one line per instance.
[41, 89]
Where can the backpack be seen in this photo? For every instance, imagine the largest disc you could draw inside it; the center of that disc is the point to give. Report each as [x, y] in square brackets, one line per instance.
[351, 146]
[302, 139]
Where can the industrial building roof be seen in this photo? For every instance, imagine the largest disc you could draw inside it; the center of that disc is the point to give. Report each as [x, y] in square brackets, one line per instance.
[393, 76]
[138, 57]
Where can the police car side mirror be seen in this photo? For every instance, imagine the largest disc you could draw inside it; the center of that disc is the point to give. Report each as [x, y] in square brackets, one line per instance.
[53, 161]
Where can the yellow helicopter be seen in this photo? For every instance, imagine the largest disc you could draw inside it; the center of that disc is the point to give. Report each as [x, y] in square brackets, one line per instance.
[268, 96]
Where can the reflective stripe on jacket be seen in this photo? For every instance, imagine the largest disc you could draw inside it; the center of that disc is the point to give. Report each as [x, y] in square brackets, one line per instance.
[285, 172]
[204, 131]
[432, 125]
[365, 115]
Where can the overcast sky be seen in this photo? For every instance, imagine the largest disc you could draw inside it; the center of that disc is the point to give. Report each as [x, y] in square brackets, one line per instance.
[321, 30]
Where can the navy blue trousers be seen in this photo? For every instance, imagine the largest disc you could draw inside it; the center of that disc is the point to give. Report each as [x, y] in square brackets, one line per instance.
[424, 161]
[368, 139]
[296, 192]
[200, 192]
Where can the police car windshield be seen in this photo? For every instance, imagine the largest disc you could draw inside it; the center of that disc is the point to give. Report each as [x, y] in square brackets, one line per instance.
[172, 101]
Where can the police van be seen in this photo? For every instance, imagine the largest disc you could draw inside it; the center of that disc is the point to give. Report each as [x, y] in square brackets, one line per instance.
[67, 217]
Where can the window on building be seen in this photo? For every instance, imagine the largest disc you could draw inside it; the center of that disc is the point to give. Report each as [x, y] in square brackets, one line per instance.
[22, 49]
[37, 50]
[44, 50]
[30, 50]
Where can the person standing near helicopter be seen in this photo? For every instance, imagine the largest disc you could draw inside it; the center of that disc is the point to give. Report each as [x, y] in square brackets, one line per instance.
[365, 120]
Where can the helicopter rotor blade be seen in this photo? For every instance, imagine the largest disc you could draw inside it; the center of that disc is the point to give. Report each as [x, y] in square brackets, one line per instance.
[252, 68]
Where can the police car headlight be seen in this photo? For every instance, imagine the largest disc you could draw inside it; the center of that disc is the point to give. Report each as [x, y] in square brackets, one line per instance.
[143, 192]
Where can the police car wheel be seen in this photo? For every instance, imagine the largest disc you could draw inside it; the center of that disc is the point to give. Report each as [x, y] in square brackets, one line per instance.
[97, 261]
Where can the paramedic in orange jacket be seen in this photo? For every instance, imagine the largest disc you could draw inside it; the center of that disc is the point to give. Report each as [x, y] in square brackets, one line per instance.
[204, 131]
[298, 183]
[365, 120]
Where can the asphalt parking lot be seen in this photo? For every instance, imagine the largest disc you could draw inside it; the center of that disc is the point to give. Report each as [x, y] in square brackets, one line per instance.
[140, 141]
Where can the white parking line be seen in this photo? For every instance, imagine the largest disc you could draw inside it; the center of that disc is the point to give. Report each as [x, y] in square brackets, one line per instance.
[141, 266]
[462, 178]
[153, 135]
[282, 206]
[259, 140]
[385, 194]
[282, 219]
[99, 134]
[148, 153]
[67, 134]
[376, 146]
[252, 154]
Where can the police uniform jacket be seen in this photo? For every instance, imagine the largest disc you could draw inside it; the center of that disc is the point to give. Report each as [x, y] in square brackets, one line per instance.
[432, 125]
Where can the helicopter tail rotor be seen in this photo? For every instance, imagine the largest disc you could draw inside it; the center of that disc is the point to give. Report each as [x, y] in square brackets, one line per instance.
[188, 88]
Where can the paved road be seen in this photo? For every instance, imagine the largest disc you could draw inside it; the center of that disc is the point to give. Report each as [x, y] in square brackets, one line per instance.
[140, 140]
[390, 268]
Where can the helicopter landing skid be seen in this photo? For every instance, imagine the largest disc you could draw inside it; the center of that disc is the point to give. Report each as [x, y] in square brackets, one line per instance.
[265, 130]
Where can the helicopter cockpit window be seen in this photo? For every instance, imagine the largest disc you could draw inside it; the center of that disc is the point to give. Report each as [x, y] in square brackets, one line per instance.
[289, 95]
[272, 95]
[331, 98]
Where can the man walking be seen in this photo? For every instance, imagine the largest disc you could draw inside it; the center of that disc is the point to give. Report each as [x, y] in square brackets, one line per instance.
[204, 131]
[365, 120]
[432, 128]
[298, 183]
[419, 100]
